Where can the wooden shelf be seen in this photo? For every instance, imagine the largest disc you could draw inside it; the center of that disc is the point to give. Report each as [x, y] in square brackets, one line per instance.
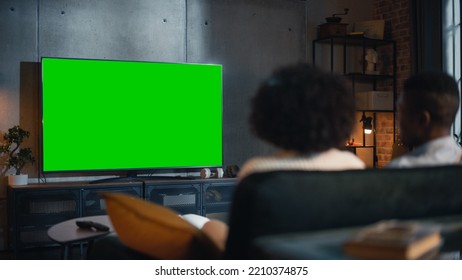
[354, 40]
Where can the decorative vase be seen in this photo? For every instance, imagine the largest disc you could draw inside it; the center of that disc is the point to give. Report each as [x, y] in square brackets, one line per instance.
[18, 180]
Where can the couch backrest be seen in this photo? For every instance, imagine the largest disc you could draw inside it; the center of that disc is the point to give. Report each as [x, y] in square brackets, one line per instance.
[294, 201]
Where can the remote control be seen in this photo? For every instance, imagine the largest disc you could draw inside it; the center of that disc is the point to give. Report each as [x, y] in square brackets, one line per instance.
[90, 224]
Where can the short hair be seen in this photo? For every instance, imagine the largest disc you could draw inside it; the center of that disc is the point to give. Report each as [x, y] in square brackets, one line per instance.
[435, 92]
[303, 108]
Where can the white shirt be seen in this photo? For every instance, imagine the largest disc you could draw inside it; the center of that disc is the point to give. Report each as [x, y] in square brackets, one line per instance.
[330, 160]
[440, 151]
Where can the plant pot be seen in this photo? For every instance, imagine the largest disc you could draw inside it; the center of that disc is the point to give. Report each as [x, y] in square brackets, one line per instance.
[18, 180]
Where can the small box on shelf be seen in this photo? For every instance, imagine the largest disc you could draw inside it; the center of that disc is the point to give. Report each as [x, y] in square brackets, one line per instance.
[332, 29]
[374, 100]
[373, 29]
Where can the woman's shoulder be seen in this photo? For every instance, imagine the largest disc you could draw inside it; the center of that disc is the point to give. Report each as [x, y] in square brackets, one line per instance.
[259, 164]
[329, 160]
[335, 159]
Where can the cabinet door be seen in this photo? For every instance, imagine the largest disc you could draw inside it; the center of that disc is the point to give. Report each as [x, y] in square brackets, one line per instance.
[37, 211]
[182, 198]
[217, 197]
[93, 203]
[3, 223]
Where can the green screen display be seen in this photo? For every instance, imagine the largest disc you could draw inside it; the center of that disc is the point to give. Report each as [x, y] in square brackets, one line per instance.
[117, 115]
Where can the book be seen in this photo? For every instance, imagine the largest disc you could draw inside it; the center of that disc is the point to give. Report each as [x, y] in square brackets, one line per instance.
[395, 239]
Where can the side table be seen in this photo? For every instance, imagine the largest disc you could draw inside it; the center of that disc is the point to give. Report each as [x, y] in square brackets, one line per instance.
[67, 233]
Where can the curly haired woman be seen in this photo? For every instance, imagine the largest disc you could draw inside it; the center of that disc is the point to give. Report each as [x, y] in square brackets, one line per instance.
[309, 115]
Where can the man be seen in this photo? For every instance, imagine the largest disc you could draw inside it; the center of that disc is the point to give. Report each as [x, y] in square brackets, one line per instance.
[426, 110]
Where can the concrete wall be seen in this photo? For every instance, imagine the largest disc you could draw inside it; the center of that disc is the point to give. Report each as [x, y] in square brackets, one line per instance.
[249, 37]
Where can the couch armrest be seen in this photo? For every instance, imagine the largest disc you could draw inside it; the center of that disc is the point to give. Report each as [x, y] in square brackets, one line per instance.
[327, 244]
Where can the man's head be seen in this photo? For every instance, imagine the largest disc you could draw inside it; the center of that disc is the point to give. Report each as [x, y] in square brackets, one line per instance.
[427, 107]
[303, 109]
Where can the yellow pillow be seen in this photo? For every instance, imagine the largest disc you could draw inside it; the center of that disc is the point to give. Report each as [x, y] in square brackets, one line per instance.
[156, 230]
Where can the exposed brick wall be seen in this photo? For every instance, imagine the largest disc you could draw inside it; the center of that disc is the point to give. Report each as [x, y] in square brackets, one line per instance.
[396, 14]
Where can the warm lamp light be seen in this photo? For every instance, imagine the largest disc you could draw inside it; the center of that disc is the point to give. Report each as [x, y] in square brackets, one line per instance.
[367, 123]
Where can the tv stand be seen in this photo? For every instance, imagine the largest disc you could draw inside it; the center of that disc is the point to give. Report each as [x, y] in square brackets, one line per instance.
[34, 208]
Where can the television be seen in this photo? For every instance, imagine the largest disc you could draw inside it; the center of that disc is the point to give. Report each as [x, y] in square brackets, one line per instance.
[112, 115]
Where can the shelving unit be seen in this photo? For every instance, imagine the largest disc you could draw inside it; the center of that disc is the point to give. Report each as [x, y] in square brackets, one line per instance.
[34, 208]
[346, 55]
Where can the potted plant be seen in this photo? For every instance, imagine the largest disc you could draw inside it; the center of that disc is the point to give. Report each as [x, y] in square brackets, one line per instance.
[16, 157]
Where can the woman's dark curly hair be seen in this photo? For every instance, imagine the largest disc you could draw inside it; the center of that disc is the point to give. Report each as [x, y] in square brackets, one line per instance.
[303, 108]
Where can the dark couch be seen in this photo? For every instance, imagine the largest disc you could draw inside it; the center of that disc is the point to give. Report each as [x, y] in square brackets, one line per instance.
[284, 202]
[296, 201]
